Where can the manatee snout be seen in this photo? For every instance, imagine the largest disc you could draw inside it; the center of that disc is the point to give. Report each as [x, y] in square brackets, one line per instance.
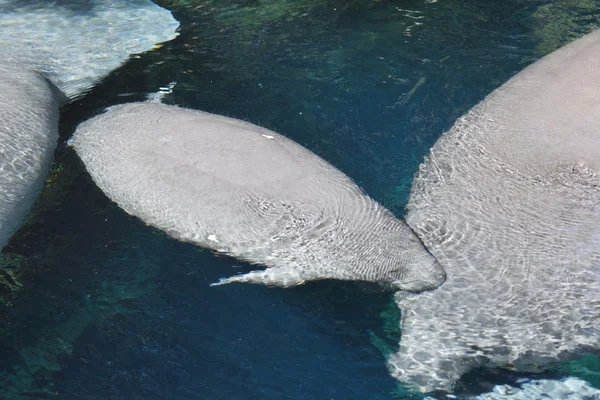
[420, 270]
[402, 261]
[426, 274]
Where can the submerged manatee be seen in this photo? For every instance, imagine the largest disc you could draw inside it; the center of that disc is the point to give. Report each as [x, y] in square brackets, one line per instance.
[28, 134]
[66, 49]
[251, 193]
[509, 203]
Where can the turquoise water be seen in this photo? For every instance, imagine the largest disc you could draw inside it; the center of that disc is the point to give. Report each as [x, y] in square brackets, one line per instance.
[107, 308]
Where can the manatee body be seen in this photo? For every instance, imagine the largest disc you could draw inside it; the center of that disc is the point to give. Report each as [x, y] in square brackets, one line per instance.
[68, 47]
[250, 193]
[28, 134]
[508, 202]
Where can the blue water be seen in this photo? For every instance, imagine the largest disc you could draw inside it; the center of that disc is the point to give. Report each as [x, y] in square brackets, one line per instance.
[111, 309]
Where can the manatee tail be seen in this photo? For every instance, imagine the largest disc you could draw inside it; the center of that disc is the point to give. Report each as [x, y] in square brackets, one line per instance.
[75, 43]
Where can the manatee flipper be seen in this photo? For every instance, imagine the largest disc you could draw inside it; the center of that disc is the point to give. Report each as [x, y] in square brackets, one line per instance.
[274, 276]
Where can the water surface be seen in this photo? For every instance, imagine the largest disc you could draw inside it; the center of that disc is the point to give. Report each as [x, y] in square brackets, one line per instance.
[105, 307]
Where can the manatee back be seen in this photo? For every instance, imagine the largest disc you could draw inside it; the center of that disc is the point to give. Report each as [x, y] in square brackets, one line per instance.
[509, 202]
[212, 180]
[28, 135]
[545, 121]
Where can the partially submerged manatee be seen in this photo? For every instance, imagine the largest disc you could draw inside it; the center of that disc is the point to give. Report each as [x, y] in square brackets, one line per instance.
[251, 193]
[508, 202]
[28, 134]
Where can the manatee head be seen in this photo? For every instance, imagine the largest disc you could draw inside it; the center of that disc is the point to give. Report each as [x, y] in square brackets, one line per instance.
[394, 256]
[425, 274]
[416, 269]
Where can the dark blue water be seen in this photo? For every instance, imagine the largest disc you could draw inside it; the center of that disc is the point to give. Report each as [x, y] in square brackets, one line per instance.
[104, 307]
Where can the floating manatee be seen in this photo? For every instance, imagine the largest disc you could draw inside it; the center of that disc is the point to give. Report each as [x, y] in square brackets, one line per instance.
[508, 202]
[66, 49]
[250, 193]
[28, 134]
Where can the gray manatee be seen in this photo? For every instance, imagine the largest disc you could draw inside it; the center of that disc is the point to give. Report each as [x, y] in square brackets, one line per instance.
[250, 193]
[67, 48]
[508, 201]
[28, 134]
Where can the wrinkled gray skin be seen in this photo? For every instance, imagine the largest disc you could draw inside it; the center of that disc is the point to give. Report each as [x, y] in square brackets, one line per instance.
[251, 193]
[28, 134]
[509, 203]
[72, 45]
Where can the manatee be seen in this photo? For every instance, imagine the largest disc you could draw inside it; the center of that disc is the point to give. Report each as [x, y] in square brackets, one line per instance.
[250, 193]
[68, 47]
[28, 134]
[508, 202]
